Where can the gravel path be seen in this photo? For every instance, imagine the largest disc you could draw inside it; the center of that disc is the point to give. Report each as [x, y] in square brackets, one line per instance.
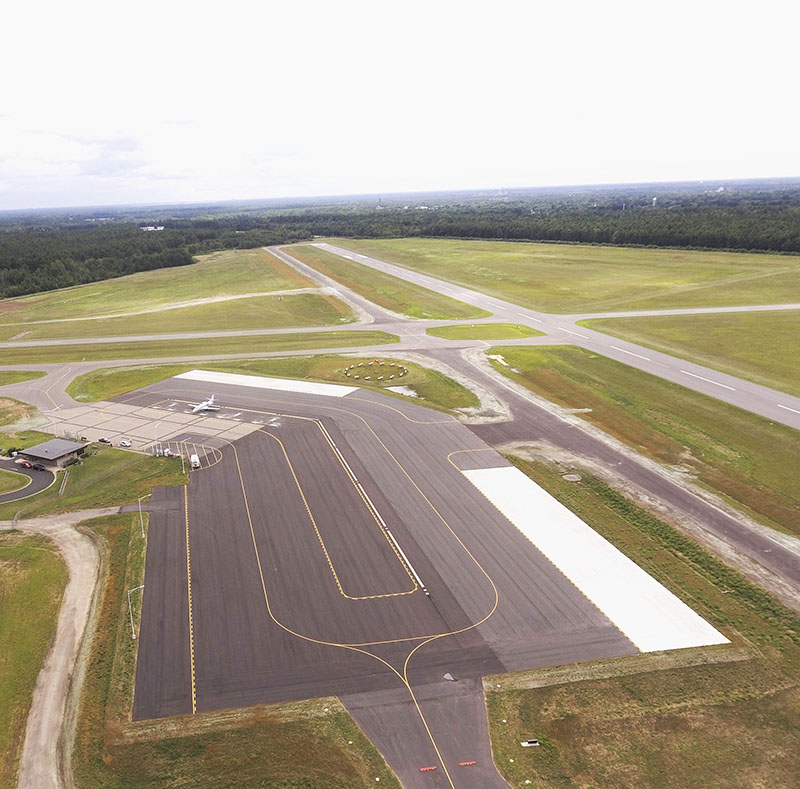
[45, 761]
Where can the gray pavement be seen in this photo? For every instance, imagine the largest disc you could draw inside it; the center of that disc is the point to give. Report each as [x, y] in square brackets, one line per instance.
[523, 632]
[562, 329]
[297, 592]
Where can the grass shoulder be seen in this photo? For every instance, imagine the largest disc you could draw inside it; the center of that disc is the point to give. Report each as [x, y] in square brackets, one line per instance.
[708, 717]
[760, 346]
[262, 746]
[104, 477]
[746, 459]
[9, 481]
[229, 272]
[291, 310]
[431, 387]
[383, 289]
[484, 331]
[32, 579]
[581, 278]
[151, 349]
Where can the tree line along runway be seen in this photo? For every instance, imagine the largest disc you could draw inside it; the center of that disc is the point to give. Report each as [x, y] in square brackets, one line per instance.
[296, 588]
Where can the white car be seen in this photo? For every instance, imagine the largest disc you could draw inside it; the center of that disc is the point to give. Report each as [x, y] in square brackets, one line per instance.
[125, 443]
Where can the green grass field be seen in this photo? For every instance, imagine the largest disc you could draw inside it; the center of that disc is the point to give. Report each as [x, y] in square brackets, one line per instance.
[106, 477]
[484, 331]
[258, 312]
[8, 377]
[32, 581]
[432, 387]
[760, 346]
[13, 410]
[152, 349]
[747, 459]
[9, 481]
[231, 273]
[383, 289]
[572, 278]
[721, 724]
[288, 745]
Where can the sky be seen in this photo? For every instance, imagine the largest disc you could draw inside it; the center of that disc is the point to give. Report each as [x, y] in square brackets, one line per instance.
[119, 103]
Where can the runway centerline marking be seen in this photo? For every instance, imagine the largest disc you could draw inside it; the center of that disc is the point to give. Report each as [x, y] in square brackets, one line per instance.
[787, 408]
[630, 353]
[708, 380]
[576, 333]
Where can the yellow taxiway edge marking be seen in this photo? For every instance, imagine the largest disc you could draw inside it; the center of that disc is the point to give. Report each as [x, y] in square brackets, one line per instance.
[189, 590]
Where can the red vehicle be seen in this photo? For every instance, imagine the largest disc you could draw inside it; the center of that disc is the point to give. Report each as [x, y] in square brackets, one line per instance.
[25, 464]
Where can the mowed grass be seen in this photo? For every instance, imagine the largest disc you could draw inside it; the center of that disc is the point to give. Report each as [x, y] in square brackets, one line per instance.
[9, 481]
[745, 458]
[431, 386]
[12, 410]
[760, 346]
[8, 377]
[151, 349]
[257, 312]
[32, 581]
[573, 278]
[228, 273]
[383, 289]
[721, 724]
[105, 477]
[484, 331]
[289, 745]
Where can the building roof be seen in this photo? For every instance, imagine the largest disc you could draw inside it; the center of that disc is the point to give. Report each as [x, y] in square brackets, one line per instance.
[53, 449]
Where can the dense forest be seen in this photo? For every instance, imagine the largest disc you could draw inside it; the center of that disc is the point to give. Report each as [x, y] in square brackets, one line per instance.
[55, 249]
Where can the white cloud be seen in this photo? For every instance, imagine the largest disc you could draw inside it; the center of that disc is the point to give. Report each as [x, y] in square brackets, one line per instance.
[179, 101]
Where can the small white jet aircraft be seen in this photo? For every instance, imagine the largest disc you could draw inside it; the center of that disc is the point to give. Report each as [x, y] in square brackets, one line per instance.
[206, 405]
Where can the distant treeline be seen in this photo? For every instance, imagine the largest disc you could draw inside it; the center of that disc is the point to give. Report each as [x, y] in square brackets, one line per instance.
[48, 250]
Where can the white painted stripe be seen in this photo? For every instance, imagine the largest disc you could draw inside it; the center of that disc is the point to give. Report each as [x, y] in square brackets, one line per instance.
[637, 355]
[371, 505]
[577, 334]
[786, 407]
[645, 611]
[528, 318]
[262, 382]
[708, 380]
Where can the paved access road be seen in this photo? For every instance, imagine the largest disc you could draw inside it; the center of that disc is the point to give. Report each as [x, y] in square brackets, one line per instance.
[304, 555]
[36, 481]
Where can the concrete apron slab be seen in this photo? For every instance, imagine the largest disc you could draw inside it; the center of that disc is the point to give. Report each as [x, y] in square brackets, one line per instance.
[456, 716]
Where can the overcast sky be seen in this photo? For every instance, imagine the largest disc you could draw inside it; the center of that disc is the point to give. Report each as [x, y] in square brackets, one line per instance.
[106, 103]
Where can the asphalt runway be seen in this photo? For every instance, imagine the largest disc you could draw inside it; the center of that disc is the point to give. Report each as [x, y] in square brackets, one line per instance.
[311, 543]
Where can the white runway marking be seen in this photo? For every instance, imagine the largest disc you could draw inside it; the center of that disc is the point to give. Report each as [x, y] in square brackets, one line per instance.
[577, 334]
[262, 382]
[786, 407]
[645, 611]
[528, 318]
[708, 380]
[637, 355]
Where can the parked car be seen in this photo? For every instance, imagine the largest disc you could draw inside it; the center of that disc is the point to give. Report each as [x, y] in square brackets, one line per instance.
[125, 443]
[25, 464]
[104, 440]
[38, 467]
